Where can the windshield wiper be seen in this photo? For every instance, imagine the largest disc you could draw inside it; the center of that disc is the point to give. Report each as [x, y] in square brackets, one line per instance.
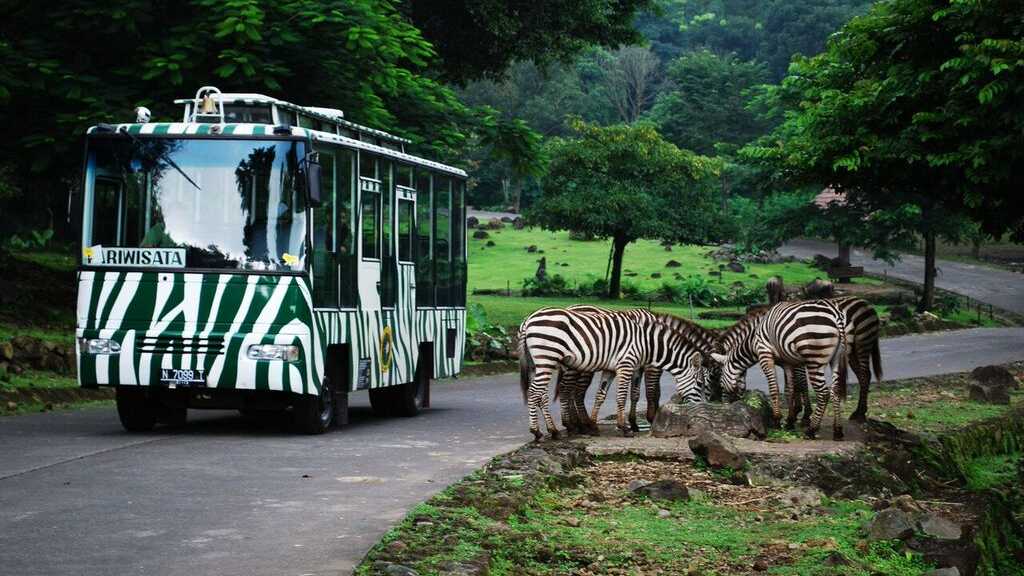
[173, 164]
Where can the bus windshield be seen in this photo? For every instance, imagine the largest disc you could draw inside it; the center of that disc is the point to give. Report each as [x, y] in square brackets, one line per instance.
[194, 203]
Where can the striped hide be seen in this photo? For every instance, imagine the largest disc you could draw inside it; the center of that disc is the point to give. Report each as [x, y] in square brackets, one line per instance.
[588, 342]
[806, 335]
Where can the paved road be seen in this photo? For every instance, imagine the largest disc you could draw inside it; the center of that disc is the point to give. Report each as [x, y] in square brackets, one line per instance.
[990, 285]
[79, 496]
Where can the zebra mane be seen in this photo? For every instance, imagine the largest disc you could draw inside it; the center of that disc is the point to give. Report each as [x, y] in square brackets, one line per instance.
[742, 328]
[705, 340]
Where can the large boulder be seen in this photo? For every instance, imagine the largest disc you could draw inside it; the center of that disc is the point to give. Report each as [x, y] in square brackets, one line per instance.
[891, 524]
[988, 394]
[472, 222]
[995, 376]
[480, 234]
[745, 418]
[718, 450]
[663, 490]
[519, 224]
[938, 526]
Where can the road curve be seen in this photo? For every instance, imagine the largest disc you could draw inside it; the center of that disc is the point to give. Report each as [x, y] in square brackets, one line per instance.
[994, 286]
[79, 496]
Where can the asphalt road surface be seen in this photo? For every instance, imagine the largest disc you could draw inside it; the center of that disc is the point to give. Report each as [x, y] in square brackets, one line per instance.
[225, 496]
[994, 286]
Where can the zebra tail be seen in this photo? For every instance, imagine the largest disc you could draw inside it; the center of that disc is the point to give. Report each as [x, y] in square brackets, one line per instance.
[844, 358]
[876, 361]
[524, 367]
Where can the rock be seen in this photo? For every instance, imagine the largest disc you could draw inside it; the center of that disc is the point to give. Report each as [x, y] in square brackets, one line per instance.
[6, 351]
[736, 266]
[495, 224]
[836, 559]
[531, 248]
[396, 546]
[960, 554]
[664, 514]
[635, 485]
[889, 524]
[399, 570]
[519, 224]
[801, 497]
[28, 350]
[476, 567]
[745, 418]
[472, 222]
[907, 503]
[950, 571]
[760, 565]
[573, 521]
[718, 450]
[490, 243]
[714, 273]
[12, 405]
[938, 526]
[507, 219]
[664, 490]
[900, 312]
[480, 234]
[655, 274]
[990, 375]
[987, 394]
[672, 264]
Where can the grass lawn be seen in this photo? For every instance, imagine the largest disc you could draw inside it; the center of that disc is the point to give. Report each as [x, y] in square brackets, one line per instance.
[507, 263]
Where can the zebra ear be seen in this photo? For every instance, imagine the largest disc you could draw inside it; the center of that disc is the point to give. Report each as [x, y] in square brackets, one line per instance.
[720, 358]
[696, 359]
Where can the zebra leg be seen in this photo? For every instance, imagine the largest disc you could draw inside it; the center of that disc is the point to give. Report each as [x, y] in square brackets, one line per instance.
[566, 393]
[623, 383]
[537, 397]
[634, 399]
[805, 399]
[587, 426]
[816, 378]
[837, 405]
[546, 411]
[652, 385]
[602, 393]
[767, 362]
[794, 379]
[862, 369]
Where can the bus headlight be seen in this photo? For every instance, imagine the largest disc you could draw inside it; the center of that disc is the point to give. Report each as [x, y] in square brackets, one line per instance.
[273, 352]
[98, 346]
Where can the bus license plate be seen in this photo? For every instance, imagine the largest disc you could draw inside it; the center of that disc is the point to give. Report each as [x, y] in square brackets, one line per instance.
[188, 377]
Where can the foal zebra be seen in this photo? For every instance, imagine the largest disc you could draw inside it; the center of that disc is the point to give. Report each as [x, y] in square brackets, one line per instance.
[807, 334]
[550, 339]
[862, 331]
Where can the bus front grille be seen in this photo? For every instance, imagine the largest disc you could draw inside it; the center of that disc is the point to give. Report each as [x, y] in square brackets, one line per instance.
[178, 345]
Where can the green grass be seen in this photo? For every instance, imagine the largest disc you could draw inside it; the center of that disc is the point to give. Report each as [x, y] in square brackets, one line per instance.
[508, 263]
[60, 261]
[38, 379]
[511, 311]
[990, 471]
[60, 336]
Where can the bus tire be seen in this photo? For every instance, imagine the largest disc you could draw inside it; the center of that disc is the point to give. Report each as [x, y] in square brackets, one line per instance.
[410, 399]
[136, 410]
[314, 413]
[172, 416]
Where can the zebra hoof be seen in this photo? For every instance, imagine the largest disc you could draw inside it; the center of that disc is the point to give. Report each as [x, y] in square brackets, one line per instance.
[806, 422]
[592, 431]
[810, 434]
[790, 424]
[837, 434]
[555, 435]
[537, 436]
[627, 433]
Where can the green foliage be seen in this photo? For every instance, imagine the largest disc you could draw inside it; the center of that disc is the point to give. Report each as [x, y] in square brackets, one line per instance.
[768, 223]
[34, 240]
[550, 285]
[706, 103]
[991, 471]
[626, 183]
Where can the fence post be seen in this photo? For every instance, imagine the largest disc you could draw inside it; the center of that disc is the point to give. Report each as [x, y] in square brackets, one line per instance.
[508, 287]
[990, 316]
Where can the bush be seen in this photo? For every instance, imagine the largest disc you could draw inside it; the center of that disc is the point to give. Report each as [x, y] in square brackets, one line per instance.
[765, 225]
[485, 341]
[35, 240]
[598, 288]
[551, 285]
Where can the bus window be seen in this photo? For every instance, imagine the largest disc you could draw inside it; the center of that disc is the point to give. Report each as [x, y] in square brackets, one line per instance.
[405, 230]
[458, 281]
[424, 240]
[442, 239]
[371, 223]
[389, 269]
[404, 177]
[325, 269]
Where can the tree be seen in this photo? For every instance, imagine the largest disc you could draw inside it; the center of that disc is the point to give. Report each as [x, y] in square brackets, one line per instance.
[625, 182]
[916, 103]
[631, 81]
[706, 103]
[478, 39]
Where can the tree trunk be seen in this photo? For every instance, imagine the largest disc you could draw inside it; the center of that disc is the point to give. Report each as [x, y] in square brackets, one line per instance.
[928, 295]
[615, 283]
[844, 259]
[976, 248]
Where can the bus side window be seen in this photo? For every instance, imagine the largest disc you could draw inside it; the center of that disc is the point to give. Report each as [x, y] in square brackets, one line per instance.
[405, 230]
[325, 269]
[458, 281]
[347, 188]
[424, 240]
[369, 192]
[442, 239]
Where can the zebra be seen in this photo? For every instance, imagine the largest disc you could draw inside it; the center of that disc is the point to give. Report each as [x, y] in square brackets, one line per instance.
[807, 334]
[551, 339]
[862, 332]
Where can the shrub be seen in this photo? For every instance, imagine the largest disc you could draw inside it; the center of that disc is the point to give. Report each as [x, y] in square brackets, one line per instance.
[551, 285]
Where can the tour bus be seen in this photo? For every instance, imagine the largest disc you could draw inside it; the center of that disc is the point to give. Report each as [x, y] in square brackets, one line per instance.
[265, 256]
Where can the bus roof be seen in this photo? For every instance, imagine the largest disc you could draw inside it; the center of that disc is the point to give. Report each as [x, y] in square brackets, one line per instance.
[214, 130]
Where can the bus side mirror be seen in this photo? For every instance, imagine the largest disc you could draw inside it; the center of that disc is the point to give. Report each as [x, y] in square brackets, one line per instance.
[313, 181]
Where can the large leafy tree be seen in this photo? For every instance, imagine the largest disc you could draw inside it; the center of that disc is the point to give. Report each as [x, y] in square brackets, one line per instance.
[915, 104]
[479, 39]
[625, 182]
[706, 103]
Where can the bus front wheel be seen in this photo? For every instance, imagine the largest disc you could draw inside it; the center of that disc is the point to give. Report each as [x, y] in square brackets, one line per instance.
[136, 410]
[313, 414]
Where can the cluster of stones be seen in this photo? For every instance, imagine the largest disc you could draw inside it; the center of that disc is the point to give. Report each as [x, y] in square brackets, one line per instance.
[29, 353]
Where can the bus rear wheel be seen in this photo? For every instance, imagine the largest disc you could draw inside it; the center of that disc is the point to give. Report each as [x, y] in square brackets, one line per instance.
[313, 414]
[410, 399]
[136, 409]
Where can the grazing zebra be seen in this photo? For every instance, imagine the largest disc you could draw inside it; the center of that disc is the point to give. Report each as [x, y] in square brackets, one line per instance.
[805, 335]
[551, 339]
[862, 331]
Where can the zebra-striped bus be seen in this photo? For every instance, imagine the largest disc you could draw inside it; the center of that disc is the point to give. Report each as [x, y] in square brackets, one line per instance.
[261, 256]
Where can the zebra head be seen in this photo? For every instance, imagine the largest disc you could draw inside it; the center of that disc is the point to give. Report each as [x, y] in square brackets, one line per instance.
[733, 373]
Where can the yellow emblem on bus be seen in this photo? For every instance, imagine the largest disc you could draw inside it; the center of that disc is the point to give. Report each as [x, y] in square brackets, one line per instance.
[88, 252]
[290, 259]
[386, 349]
